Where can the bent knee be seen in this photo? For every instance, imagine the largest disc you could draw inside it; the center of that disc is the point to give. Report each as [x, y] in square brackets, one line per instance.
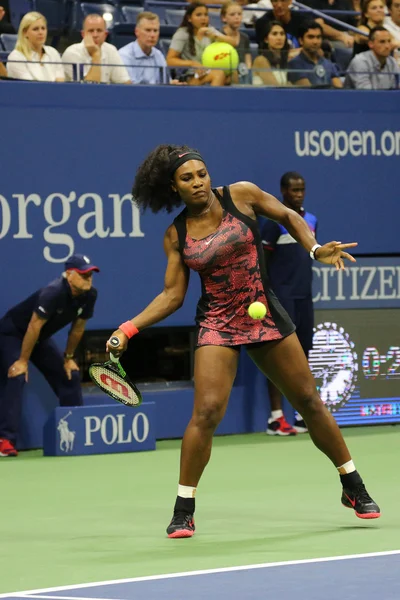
[209, 414]
[309, 400]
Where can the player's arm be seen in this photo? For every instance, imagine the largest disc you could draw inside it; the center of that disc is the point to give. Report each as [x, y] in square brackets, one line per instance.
[176, 282]
[268, 206]
[20, 366]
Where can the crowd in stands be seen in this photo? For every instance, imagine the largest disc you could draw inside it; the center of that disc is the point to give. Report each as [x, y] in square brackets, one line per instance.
[294, 48]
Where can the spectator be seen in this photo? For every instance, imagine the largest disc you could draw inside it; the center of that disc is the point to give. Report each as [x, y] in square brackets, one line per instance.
[99, 60]
[188, 44]
[340, 38]
[290, 20]
[372, 15]
[232, 15]
[374, 69]
[251, 16]
[310, 68]
[35, 61]
[144, 62]
[392, 23]
[274, 55]
[25, 335]
[5, 25]
[3, 70]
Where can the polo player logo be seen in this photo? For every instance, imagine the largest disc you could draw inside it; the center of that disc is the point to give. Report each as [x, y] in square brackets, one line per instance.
[67, 437]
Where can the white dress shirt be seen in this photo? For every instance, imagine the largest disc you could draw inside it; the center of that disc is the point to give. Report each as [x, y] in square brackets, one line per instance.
[49, 68]
[112, 67]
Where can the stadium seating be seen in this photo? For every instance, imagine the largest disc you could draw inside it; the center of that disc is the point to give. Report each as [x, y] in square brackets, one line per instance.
[106, 10]
[164, 45]
[131, 12]
[8, 41]
[174, 16]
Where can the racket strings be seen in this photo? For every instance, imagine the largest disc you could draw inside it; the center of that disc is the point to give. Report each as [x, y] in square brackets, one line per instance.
[114, 384]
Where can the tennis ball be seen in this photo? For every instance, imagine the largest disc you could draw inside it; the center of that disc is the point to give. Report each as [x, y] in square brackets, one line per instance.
[257, 310]
[220, 55]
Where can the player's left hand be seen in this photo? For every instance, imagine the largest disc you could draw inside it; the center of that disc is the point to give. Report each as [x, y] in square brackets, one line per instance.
[69, 366]
[333, 254]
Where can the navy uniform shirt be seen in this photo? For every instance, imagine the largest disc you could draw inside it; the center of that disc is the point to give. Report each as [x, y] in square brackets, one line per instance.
[54, 303]
[289, 264]
[320, 74]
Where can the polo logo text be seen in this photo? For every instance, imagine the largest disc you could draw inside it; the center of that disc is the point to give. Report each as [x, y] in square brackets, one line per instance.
[116, 429]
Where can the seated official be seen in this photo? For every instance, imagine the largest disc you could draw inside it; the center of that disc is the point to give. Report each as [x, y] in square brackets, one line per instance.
[34, 61]
[96, 61]
[374, 69]
[25, 336]
[144, 62]
[310, 68]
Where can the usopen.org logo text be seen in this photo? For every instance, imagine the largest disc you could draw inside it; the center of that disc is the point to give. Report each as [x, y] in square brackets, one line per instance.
[340, 144]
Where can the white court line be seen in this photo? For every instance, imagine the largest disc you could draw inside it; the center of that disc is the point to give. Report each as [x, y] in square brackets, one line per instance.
[63, 597]
[304, 561]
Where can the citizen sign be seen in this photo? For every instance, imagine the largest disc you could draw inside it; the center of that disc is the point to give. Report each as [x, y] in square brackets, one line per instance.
[116, 429]
[102, 429]
[66, 218]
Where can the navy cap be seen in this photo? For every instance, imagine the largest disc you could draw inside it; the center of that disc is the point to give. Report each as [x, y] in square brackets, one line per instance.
[80, 263]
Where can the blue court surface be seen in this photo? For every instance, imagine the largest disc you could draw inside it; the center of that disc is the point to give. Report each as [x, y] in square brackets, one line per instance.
[373, 576]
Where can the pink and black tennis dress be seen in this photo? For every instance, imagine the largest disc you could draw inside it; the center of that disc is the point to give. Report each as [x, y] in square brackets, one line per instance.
[230, 262]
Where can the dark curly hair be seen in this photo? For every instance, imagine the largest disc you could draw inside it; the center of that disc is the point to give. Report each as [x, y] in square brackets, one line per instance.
[152, 186]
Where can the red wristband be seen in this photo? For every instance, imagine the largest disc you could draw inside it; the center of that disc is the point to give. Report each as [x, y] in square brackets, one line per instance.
[128, 329]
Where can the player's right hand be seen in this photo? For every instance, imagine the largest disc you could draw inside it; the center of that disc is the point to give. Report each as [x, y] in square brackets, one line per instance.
[19, 367]
[123, 343]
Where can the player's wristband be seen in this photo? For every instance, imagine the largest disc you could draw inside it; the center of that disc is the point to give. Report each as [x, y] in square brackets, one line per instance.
[313, 249]
[68, 356]
[128, 329]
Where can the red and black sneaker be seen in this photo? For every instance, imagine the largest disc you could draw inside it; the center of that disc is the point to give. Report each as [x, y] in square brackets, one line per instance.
[280, 427]
[7, 448]
[362, 503]
[181, 526]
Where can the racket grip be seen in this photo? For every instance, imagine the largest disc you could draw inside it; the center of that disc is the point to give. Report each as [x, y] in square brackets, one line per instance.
[115, 341]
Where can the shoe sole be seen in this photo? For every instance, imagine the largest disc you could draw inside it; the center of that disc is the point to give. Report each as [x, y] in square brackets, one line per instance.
[300, 429]
[181, 533]
[8, 455]
[363, 515]
[281, 433]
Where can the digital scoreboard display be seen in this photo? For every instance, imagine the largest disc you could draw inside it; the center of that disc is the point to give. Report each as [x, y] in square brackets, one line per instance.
[355, 361]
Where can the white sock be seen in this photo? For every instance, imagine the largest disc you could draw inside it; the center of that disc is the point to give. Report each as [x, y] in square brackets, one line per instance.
[346, 468]
[186, 491]
[275, 414]
[298, 417]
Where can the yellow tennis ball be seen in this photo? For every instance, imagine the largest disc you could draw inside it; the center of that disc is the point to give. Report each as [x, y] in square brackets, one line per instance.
[220, 55]
[257, 310]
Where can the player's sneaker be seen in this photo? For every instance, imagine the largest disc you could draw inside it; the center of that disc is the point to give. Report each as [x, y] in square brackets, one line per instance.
[362, 503]
[181, 526]
[300, 426]
[280, 427]
[7, 448]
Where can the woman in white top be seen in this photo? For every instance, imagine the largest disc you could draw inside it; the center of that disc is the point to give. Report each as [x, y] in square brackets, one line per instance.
[36, 62]
[188, 44]
[274, 55]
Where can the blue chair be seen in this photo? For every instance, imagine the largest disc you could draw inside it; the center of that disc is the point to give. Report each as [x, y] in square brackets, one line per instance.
[164, 45]
[112, 11]
[253, 50]
[18, 8]
[174, 17]
[55, 12]
[130, 13]
[215, 20]
[8, 41]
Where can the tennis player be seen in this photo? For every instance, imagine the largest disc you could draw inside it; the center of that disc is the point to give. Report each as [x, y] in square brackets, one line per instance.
[25, 335]
[217, 235]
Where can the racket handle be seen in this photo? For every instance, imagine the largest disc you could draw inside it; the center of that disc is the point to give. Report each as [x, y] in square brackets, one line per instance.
[115, 342]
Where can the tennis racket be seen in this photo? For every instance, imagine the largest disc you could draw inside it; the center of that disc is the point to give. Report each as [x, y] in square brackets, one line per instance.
[113, 380]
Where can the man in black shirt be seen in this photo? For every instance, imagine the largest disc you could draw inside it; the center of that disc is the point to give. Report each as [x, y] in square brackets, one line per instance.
[25, 335]
[292, 21]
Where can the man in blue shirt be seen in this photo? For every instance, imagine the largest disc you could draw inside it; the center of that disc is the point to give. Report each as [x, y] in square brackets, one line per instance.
[145, 63]
[290, 272]
[25, 335]
[310, 68]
